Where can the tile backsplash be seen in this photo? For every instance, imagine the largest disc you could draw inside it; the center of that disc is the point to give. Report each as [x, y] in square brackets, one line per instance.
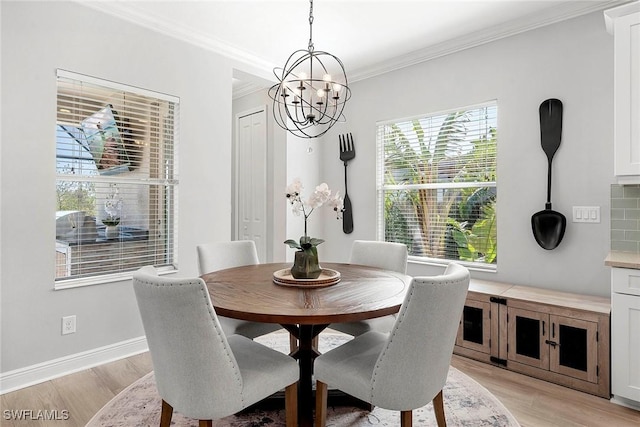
[625, 218]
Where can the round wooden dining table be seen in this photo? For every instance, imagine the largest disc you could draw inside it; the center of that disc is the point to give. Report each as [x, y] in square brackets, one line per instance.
[249, 293]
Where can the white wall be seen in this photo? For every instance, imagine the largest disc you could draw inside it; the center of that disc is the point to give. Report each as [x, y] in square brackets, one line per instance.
[37, 38]
[304, 157]
[572, 61]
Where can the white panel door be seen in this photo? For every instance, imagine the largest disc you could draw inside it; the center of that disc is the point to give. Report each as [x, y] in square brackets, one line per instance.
[252, 180]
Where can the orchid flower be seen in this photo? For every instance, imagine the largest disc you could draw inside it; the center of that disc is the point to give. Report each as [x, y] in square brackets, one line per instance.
[319, 197]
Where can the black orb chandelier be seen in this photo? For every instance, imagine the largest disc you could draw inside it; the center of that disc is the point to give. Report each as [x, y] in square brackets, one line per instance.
[311, 91]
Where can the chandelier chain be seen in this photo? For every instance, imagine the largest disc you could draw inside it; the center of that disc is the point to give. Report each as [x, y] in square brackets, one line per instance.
[310, 25]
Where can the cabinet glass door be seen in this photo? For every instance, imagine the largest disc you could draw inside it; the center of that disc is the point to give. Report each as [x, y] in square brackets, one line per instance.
[475, 329]
[472, 325]
[527, 333]
[573, 348]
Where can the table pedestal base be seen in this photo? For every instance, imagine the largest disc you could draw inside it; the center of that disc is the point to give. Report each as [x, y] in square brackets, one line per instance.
[305, 355]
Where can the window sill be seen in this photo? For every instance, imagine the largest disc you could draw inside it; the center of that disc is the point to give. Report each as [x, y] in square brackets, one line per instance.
[106, 278]
[472, 266]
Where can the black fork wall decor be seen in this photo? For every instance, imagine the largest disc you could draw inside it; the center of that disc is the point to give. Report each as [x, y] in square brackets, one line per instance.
[347, 153]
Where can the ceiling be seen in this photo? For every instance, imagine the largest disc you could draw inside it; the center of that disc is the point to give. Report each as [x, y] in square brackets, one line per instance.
[370, 37]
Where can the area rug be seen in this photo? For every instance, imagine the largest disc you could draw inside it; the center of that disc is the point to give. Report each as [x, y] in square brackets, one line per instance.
[466, 403]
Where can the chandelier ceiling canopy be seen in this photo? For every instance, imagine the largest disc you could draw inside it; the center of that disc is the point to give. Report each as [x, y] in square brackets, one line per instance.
[311, 92]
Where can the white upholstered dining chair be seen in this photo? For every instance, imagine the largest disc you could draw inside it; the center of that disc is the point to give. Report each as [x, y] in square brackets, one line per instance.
[199, 371]
[216, 256]
[405, 369]
[386, 255]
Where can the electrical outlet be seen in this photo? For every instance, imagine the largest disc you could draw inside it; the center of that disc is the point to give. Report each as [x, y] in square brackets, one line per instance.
[69, 325]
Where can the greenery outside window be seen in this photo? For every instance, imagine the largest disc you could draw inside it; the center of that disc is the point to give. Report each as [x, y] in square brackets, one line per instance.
[116, 180]
[436, 185]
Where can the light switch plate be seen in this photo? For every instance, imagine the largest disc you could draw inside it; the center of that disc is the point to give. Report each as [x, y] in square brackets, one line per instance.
[589, 214]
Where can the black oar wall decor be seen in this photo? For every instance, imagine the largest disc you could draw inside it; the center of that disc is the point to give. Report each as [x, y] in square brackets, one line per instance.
[548, 225]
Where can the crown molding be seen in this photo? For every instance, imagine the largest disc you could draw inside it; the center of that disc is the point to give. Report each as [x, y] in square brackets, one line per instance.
[562, 12]
[129, 12]
[245, 88]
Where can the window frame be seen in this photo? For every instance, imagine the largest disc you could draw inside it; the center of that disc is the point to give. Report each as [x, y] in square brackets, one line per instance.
[166, 183]
[381, 187]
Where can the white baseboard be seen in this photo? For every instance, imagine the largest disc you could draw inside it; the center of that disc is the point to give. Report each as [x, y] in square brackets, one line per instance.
[632, 404]
[45, 371]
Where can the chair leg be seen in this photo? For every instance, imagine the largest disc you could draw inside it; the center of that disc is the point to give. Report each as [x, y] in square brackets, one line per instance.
[291, 404]
[205, 423]
[438, 408]
[166, 414]
[406, 418]
[321, 403]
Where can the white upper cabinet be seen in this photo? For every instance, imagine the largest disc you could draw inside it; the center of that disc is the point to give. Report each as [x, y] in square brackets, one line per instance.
[624, 23]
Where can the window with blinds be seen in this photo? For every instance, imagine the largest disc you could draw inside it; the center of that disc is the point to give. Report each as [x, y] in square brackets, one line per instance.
[116, 180]
[436, 185]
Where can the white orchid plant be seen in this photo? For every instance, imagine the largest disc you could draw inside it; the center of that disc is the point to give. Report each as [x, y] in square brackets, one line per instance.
[322, 195]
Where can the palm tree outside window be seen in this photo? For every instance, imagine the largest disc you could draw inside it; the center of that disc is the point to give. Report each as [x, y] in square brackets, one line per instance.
[436, 185]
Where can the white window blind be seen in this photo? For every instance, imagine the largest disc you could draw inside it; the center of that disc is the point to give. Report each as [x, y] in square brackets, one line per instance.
[436, 183]
[116, 180]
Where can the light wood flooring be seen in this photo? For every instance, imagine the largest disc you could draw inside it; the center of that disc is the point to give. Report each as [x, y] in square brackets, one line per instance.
[533, 402]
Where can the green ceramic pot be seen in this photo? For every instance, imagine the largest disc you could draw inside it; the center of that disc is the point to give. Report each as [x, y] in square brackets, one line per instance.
[305, 266]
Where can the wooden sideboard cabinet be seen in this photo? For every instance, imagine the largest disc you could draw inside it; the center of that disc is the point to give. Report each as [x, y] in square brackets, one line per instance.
[555, 336]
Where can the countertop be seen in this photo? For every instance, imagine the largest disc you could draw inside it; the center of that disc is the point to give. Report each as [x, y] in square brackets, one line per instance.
[623, 260]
